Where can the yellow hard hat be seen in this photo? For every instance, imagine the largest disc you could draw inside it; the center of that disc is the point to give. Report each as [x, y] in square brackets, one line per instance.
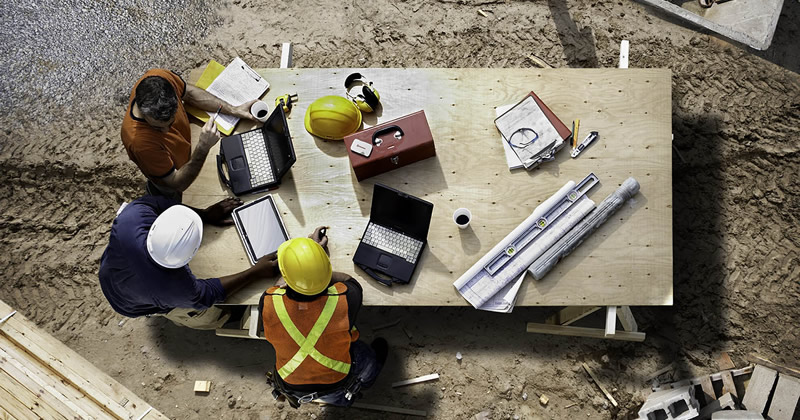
[304, 265]
[332, 117]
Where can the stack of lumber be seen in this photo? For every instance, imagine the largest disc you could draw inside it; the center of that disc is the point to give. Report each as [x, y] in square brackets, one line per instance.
[41, 378]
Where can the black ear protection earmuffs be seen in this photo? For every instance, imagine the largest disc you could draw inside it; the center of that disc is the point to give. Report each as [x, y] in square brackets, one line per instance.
[369, 98]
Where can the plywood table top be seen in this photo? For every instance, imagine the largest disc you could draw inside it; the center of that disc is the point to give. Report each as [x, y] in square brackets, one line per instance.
[628, 261]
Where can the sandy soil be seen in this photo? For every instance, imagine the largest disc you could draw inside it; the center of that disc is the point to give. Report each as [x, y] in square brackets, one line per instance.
[736, 211]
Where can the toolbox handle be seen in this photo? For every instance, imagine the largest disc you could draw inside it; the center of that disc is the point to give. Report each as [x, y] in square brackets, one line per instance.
[222, 177]
[385, 130]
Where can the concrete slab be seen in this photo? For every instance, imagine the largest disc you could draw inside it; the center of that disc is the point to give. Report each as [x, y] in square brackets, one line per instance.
[750, 22]
[759, 389]
[785, 398]
[736, 415]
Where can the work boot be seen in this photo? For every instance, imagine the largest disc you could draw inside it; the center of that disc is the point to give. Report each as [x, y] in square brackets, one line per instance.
[381, 348]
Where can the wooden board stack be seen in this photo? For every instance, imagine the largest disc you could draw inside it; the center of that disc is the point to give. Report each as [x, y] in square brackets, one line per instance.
[40, 377]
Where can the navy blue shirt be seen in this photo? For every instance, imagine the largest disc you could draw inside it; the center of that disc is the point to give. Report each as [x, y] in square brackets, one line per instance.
[133, 283]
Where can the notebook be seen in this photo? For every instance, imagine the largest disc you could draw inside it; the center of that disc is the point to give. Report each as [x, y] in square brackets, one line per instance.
[395, 236]
[256, 160]
[260, 227]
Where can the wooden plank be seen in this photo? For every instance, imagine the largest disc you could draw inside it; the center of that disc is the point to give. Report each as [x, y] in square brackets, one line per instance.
[34, 399]
[52, 379]
[611, 320]
[40, 382]
[752, 358]
[388, 409]
[628, 261]
[724, 361]
[583, 332]
[16, 409]
[759, 389]
[571, 314]
[416, 380]
[626, 319]
[252, 328]
[63, 361]
[599, 384]
[727, 383]
[708, 389]
[237, 333]
[784, 399]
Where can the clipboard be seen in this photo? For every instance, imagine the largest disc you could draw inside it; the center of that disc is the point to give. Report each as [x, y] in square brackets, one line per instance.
[543, 133]
[231, 85]
[260, 227]
[212, 70]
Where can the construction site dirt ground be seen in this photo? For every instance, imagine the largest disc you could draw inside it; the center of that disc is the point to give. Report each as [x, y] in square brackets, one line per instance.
[736, 234]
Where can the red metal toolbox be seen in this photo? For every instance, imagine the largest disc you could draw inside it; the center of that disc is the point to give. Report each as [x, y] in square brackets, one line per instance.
[395, 143]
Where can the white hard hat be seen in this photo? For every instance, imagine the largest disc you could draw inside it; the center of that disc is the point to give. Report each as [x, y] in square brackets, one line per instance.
[175, 237]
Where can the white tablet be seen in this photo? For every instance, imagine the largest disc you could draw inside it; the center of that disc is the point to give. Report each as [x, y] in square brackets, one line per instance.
[260, 226]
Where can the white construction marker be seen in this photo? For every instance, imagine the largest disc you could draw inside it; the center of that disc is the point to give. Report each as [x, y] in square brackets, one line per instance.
[624, 48]
[425, 378]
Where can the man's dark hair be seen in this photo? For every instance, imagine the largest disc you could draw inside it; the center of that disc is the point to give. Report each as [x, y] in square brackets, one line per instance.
[156, 98]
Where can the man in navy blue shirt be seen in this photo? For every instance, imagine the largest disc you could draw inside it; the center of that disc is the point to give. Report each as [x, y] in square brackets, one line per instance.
[144, 270]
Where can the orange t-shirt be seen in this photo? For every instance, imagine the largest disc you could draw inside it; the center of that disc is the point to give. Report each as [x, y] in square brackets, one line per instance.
[157, 154]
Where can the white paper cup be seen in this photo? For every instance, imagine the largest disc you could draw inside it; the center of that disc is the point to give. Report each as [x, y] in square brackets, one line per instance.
[260, 111]
[459, 216]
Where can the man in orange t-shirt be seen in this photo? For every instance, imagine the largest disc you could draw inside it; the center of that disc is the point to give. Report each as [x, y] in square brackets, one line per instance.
[156, 132]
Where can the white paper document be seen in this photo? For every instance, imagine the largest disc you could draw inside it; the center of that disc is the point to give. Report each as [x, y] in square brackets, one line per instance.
[512, 160]
[526, 125]
[237, 84]
[505, 299]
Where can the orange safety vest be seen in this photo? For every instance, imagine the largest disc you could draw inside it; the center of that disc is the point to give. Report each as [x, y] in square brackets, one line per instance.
[311, 339]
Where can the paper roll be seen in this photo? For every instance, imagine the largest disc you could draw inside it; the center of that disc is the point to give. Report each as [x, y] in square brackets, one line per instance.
[260, 111]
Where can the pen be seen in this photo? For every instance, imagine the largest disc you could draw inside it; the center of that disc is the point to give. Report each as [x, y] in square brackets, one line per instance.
[249, 70]
[214, 118]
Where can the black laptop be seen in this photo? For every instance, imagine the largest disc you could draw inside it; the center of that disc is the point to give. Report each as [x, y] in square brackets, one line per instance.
[257, 160]
[395, 236]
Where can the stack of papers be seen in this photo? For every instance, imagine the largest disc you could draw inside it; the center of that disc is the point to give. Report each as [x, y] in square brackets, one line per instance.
[511, 158]
[237, 84]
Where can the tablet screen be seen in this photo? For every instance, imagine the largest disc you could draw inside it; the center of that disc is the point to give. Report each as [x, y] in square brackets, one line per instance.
[260, 227]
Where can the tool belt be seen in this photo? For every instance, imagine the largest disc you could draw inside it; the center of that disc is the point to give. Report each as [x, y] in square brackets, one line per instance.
[351, 388]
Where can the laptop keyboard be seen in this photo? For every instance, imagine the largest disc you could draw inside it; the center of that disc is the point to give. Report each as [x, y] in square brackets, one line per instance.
[257, 156]
[392, 242]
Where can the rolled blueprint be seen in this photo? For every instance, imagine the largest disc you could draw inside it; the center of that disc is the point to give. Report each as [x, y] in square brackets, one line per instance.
[582, 230]
[477, 286]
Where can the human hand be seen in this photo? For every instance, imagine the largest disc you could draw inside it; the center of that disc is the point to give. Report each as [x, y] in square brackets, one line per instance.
[219, 214]
[267, 266]
[209, 135]
[319, 235]
[243, 110]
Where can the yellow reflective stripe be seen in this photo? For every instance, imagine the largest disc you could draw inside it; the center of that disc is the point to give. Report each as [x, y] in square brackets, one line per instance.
[279, 292]
[307, 343]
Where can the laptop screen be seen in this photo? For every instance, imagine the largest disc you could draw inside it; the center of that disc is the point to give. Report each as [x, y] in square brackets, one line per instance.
[400, 211]
[276, 132]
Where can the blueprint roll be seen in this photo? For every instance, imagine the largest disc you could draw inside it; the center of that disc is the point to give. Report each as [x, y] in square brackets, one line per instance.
[582, 230]
[260, 111]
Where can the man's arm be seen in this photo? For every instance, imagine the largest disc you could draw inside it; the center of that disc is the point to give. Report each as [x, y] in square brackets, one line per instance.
[266, 267]
[199, 98]
[180, 179]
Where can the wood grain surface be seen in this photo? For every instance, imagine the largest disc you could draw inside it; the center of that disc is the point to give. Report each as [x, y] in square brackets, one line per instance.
[628, 261]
